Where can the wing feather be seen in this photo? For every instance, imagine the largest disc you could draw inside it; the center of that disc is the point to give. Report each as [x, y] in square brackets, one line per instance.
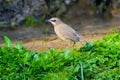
[66, 32]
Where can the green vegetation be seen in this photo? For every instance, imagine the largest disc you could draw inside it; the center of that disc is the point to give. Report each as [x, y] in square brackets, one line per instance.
[95, 61]
[9, 1]
[31, 21]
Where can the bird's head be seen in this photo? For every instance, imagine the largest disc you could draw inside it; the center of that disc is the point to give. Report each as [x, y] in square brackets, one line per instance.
[55, 21]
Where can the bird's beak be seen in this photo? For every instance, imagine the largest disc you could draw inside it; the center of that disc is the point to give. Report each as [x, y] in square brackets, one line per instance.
[47, 20]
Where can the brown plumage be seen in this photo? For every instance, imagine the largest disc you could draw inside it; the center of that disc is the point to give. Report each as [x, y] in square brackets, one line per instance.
[64, 31]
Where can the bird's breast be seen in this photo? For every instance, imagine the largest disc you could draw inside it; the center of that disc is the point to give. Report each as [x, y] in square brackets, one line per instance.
[59, 32]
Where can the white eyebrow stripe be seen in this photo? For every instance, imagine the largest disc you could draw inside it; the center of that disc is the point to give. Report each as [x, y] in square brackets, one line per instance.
[53, 23]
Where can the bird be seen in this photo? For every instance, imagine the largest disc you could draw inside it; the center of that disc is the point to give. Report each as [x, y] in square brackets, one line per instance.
[64, 31]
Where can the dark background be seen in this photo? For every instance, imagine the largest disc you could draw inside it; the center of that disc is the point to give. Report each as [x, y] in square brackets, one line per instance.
[25, 19]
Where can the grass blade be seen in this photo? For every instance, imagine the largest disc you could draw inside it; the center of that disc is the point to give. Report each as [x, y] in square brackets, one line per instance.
[8, 42]
[82, 75]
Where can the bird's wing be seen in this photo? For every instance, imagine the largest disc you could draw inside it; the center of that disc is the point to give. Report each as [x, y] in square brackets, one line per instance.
[68, 33]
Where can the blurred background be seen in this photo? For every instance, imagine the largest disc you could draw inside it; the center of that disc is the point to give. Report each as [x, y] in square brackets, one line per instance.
[22, 20]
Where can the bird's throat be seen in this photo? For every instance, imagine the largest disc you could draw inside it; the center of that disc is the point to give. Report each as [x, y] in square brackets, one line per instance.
[54, 25]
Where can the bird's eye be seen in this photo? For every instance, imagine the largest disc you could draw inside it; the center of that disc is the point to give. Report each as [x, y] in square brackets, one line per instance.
[53, 20]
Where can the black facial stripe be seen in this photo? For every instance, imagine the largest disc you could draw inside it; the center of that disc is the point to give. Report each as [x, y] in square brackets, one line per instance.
[53, 20]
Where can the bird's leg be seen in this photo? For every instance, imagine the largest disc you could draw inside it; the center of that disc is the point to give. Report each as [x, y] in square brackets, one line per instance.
[81, 43]
[68, 45]
[73, 43]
